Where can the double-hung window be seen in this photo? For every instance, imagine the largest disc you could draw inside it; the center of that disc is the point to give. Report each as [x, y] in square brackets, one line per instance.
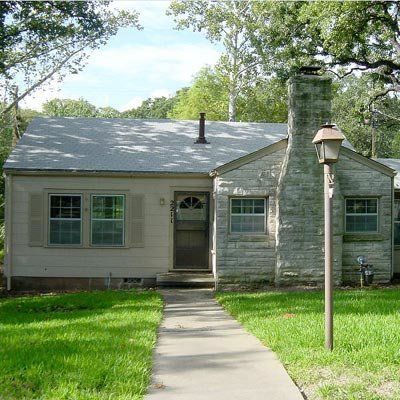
[107, 220]
[362, 215]
[65, 222]
[248, 215]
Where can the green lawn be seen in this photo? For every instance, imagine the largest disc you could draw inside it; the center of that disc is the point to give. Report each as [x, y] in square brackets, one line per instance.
[365, 364]
[79, 346]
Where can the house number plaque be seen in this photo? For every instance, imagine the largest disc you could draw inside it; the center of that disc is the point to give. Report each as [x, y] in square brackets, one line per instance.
[172, 210]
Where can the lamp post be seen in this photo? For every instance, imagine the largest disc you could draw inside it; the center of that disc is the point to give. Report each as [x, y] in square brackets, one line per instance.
[327, 143]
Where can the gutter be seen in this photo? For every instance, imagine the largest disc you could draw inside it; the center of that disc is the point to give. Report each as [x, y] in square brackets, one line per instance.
[129, 174]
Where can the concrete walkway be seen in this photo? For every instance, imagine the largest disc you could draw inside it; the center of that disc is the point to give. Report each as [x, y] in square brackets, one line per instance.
[203, 353]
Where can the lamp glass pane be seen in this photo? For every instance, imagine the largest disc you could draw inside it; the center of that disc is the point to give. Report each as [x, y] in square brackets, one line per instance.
[319, 149]
[332, 148]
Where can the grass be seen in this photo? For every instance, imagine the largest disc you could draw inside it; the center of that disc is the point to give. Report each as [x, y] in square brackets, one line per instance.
[78, 346]
[365, 363]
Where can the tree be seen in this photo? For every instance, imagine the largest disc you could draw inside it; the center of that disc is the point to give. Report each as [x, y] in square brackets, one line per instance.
[223, 22]
[108, 112]
[157, 107]
[354, 35]
[264, 101]
[41, 40]
[208, 94]
[372, 126]
[69, 108]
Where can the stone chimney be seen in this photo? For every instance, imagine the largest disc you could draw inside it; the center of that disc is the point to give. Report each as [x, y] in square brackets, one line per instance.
[300, 205]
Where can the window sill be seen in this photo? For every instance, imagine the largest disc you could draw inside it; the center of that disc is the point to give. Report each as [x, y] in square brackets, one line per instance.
[363, 237]
[93, 246]
[256, 237]
[66, 246]
[63, 246]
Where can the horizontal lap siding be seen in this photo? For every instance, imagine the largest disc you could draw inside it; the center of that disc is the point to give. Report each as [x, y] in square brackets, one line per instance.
[133, 262]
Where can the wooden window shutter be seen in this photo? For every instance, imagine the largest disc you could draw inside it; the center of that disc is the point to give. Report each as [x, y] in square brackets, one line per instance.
[137, 221]
[36, 219]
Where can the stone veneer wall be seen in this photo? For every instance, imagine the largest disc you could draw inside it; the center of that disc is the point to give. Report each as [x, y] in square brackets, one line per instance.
[293, 250]
[300, 204]
[359, 180]
[247, 258]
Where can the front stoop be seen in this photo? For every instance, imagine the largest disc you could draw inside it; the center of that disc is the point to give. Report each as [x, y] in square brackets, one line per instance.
[186, 279]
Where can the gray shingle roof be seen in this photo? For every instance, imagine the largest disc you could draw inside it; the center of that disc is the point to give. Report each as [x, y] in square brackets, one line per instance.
[393, 163]
[128, 145]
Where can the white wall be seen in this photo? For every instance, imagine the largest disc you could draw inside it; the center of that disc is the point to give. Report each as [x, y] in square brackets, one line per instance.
[156, 256]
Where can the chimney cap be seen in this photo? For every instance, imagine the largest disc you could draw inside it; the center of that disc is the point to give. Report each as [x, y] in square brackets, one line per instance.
[309, 69]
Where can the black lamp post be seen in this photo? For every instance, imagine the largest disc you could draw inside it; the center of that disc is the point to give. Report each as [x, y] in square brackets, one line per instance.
[327, 143]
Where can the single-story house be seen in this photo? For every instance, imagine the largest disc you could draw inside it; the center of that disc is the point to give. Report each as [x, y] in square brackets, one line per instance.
[93, 202]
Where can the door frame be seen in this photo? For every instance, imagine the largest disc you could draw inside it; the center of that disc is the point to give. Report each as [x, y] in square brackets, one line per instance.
[189, 192]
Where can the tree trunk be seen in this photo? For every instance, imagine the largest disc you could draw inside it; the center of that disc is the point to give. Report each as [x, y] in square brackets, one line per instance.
[41, 81]
[232, 106]
[374, 124]
[373, 143]
[15, 118]
[233, 80]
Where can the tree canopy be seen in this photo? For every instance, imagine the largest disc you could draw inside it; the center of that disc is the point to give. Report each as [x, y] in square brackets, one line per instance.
[264, 101]
[69, 108]
[43, 39]
[373, 133]
[208, 93]
[355, 35]
[223, 22]
[157, 107]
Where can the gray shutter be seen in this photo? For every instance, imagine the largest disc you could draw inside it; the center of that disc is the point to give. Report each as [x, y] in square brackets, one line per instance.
[36, 219]
[137, 221]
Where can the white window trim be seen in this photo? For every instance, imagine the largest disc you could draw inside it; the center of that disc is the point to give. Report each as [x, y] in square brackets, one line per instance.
[264, 214]
[49, 219]
[107, 219]
[361, 214]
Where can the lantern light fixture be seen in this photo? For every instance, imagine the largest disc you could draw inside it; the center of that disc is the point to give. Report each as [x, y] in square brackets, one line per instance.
[327, 142]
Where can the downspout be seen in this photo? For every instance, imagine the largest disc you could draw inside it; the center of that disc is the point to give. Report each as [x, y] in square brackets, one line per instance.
[8, 230]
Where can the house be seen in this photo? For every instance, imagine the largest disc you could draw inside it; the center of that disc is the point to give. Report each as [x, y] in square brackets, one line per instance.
[395, 164]
[96, 202]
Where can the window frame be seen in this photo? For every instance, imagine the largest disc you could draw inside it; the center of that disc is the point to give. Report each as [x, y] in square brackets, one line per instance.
[91, 219]
[346, 232]
[265, 215]
[49, 219]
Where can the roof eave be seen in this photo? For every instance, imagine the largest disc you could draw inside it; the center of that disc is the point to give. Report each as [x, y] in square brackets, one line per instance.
[255, 155]
[384, 169]
[76, 172]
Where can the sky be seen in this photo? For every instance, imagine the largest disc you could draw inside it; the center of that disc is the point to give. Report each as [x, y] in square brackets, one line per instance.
[135, 65]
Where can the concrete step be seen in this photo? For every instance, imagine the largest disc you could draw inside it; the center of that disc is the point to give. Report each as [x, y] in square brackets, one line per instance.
[185, 279]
